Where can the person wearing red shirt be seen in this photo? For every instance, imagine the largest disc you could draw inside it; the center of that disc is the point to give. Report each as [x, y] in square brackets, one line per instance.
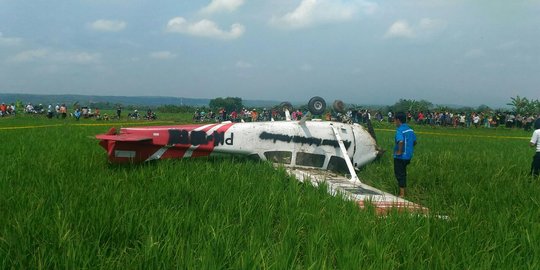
[421, 118]
[3, 109]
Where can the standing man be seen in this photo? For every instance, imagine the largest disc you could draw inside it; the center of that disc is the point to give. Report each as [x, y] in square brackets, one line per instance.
[118, 111]
[403, 150]
[535, 142]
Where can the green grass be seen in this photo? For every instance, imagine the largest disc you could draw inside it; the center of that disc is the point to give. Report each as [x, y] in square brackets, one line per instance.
[63, 206]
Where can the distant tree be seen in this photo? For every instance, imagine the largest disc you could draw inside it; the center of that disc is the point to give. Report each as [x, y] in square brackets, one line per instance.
[229, 103]
[532, 107]
[19, 105]
[483, 108]
[175, 109]
[131, 107]
[411, 105]
[402, 105]
[465, 109]
[520, 105]
[535, 104]
[101, 105]
[442, 108]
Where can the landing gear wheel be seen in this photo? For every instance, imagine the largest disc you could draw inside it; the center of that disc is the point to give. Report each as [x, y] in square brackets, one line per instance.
[286, 105]
[339, 106]
[316, 105]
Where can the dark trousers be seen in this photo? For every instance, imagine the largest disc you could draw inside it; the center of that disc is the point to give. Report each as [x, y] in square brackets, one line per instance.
[535, 166]
[400, 171]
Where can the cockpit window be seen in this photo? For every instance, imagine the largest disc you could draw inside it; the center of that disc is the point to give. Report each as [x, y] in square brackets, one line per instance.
[337, 164]
[283, 157]
[308, 159]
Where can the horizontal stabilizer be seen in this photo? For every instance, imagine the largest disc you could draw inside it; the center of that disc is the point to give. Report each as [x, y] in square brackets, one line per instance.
[124, 138]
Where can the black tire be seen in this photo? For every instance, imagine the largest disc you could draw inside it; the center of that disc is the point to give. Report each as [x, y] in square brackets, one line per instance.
[339, 106]
[317, 105]
[286, 105]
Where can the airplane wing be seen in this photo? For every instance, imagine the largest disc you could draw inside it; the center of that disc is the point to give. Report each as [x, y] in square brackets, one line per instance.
[363, 194]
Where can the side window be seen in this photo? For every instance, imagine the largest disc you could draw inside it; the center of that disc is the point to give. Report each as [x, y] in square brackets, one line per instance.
[308, 159]
[278, 156]
[337, 164]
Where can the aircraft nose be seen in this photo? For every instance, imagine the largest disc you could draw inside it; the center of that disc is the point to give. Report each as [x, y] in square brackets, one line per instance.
[371, 130]
[380, 151]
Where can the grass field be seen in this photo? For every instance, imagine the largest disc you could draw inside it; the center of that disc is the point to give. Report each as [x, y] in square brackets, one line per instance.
[63, 206]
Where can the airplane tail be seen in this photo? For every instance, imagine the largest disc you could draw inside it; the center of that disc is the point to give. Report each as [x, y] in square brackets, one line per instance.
[104, 143]
[125, 148]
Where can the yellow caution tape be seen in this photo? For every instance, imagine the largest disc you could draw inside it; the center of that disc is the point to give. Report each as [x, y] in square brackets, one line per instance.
[460, 135]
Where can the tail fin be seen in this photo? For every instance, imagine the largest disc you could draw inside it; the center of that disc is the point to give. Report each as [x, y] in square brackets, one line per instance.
[111, 131]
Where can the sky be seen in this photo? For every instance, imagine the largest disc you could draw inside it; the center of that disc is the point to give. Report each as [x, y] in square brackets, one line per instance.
[362, 52]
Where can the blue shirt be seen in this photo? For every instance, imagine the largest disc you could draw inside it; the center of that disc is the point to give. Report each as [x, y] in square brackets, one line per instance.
[405, 134]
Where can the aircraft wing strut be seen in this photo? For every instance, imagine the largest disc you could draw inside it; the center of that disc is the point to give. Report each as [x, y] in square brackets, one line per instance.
[354, 177]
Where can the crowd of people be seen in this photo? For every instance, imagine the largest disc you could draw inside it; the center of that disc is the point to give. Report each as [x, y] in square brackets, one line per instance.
[473, 119]
[61, 111]
[7, 109]
[430, 118]
[244, 115]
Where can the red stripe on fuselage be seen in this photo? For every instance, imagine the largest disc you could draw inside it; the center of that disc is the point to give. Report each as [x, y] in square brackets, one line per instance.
[145, 149]
[180, 150]
[207, 149]
[162, 132]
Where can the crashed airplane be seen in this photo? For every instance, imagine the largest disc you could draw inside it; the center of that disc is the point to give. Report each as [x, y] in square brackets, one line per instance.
[310, 150]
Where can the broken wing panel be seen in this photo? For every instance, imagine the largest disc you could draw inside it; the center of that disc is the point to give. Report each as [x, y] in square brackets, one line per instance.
[361, 193]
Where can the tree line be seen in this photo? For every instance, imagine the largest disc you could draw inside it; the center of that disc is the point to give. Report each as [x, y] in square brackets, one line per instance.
[518, 105]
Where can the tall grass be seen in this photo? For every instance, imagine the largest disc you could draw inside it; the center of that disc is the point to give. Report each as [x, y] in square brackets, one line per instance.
[63, 206]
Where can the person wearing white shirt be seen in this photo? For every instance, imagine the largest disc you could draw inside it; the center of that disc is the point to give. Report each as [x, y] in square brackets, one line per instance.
[535, 142]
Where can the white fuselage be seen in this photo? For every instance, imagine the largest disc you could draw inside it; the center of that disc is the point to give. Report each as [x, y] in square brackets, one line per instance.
[292, 143]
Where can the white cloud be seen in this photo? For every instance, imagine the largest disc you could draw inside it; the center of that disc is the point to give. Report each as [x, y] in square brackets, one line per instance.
[7, 41]
[475, 53]
[107, 25]
[425, 28]
[162, 55]
[204, 28]
[400, 29]
[358, 70]
[306, 67]
[508, 45]
[494, 65]
[77, 57]
[368, 7]
[31, 55]
[428, 24]
[217, 6]
[311, 12]
[55, 56]
[243, 64]
[512, 45]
